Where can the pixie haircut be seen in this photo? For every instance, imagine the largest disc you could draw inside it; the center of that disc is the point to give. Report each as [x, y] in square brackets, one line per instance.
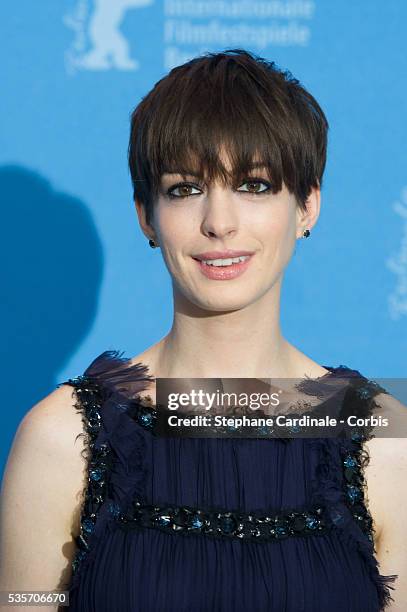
[235, 101]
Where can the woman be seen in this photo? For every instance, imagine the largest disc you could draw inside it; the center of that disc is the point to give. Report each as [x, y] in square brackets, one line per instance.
[227, 155]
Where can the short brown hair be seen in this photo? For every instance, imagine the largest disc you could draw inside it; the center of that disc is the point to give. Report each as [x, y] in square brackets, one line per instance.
[233, 99]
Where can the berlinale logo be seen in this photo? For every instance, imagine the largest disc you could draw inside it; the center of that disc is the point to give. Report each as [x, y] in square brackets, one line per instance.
[99, 44]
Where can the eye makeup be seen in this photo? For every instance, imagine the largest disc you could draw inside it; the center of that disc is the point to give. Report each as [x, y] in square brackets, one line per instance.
[169, 192]
[250, 180]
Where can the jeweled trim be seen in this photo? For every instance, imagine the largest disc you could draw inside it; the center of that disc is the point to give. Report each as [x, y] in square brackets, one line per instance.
[354, 461]
[144, 412]
[224, 524]
[89, 397]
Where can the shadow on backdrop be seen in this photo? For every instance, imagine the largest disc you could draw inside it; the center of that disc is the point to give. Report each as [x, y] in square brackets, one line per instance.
[49, 292]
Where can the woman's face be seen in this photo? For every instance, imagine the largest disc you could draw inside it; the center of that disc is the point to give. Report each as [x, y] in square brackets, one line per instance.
[191, 217]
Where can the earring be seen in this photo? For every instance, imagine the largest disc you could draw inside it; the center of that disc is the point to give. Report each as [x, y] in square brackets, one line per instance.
[152, 244]
[306, 233]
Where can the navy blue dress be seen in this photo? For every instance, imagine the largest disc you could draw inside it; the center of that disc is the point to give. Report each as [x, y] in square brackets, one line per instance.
[217, 524]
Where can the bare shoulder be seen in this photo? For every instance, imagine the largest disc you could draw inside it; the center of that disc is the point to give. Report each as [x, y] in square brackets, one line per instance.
[41, 494]
[59, 423]
[51, 428]
[53, 417]
[386, 472]
[386, 475]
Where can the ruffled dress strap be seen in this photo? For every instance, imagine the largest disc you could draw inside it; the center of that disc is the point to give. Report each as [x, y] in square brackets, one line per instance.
[340, 483]
[113, 447]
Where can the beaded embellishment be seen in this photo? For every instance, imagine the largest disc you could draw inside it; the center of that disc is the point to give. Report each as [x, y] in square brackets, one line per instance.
[144, 412]
[181, 518]
[225, 524]
[221, 524]
[89, 397]
[355, 483]
[356, 459]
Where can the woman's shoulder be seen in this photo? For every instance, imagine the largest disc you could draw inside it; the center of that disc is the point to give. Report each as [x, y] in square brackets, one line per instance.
[46, 456]
[386, 474]
[53, 423]
[387, 447]
[386, 470]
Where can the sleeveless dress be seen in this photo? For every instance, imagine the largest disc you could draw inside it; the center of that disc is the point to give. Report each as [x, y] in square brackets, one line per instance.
[218, 524]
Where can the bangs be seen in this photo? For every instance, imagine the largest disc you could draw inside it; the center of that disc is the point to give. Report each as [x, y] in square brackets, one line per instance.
[207, 125]
[227, 107]
[209, 116]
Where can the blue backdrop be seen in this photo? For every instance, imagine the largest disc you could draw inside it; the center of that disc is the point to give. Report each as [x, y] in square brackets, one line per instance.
[80, 277]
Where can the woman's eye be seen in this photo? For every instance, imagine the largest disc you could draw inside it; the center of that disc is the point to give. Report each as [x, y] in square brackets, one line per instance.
[184, 190]
[254, 186]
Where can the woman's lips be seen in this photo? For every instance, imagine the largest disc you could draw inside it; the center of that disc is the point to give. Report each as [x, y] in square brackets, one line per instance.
[223, 272]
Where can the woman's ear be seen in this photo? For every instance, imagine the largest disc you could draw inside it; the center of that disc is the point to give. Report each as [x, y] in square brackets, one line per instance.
[306, 219]
[147, 229]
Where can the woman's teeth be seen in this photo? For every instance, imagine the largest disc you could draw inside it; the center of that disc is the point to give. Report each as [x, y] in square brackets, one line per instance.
[224, 262]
